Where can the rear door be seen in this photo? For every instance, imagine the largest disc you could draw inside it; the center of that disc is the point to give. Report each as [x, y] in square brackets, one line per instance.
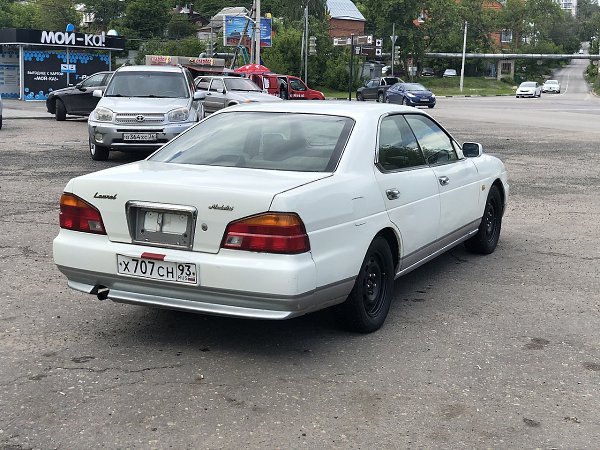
[457, 178]
[409, 188]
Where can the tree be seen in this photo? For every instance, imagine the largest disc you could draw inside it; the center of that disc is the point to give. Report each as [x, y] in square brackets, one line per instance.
[105, 12]
[54, 15]
[180, 26]
[146, 18]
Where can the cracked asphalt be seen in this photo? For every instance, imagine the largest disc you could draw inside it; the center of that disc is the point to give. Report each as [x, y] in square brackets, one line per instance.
[501, 351]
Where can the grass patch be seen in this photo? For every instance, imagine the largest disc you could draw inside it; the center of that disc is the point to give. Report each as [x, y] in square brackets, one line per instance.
[471, 86]
[332, 93]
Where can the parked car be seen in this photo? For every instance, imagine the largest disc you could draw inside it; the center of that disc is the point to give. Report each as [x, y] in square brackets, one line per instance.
[427, 72]
[411, 94]
[529, 89]
[142, 108]
[449, 73]
[551, 86]
[223, 91]
[581, 51]
[375, 88]
[77, 100]
[275, 210]
[0, 112]
[287, 87]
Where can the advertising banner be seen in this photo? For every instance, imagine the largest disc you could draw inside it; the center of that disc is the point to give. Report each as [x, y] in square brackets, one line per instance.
[239, 27]
[9, 73]
[46, 70]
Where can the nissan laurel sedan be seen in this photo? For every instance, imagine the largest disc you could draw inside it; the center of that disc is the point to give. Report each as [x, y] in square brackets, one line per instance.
[275, 210]
[410, 94]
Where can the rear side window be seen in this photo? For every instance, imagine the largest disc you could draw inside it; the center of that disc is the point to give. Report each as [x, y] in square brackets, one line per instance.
[262, 140]
[398, 148]
[434, 142]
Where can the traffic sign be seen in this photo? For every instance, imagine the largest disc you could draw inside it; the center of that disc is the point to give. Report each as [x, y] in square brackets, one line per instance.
[393, 38]
[379, 43]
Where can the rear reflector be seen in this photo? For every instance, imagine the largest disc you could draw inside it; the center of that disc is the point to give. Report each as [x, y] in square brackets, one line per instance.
[269, 233]
[78, 215]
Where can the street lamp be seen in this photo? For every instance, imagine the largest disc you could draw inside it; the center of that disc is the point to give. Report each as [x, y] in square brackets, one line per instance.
[462, 68]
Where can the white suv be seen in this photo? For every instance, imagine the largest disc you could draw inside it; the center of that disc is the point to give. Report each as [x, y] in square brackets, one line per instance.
[142, 108]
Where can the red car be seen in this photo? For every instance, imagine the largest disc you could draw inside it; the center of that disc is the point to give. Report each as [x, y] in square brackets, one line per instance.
[287, 87]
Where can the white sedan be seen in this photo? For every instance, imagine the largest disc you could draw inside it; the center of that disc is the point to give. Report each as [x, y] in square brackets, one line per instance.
[529, 89]
[551, 86]
[271, 211]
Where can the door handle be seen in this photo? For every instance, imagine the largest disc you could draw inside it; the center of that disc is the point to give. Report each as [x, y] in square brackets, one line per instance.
[392, 194]
[444, 180]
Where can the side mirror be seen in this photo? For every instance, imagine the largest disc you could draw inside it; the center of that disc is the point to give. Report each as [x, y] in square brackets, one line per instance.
[199, 95]
[472, 149]
[97, 93]
[79, 86]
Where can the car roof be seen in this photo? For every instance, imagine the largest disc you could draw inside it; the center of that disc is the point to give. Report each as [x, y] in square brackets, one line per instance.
[149, 69]
[354, 110]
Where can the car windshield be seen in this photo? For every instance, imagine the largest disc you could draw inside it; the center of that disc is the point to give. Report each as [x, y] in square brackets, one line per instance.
[241, 84]
[262, 140]
[148, 84]
[415, 87]
[528, 84]
[551, 82]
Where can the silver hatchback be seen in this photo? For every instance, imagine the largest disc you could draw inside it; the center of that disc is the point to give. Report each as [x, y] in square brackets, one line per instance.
[142, 108]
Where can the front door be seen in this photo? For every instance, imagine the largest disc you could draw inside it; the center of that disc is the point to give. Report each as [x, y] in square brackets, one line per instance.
[458, 179]
[409, 188]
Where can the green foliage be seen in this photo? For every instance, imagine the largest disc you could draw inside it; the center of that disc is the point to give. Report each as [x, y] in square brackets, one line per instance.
[105, 12]
[180, 26]
[54, 14]
[145, 18]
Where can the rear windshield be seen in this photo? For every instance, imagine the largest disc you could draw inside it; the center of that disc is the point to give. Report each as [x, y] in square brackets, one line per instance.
[262, 140]
[148, 84]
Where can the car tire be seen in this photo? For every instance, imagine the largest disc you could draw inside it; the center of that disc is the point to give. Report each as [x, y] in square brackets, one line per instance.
[380, 97]
[60, 111]
[98, 152]
[368, 304]
[359, 97]
[430, 106]
[486, 239]
[0, 122]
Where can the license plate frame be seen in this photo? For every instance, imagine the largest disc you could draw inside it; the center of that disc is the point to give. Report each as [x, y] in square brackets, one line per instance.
[143, 137]
[177, 272]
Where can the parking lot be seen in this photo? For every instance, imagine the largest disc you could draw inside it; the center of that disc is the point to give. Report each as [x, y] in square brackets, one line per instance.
[499, 351]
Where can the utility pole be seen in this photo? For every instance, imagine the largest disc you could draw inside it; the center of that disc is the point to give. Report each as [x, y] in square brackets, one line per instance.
[462, 68]
[393, 37]
[351, 67]
[305, 43]
[257, 32]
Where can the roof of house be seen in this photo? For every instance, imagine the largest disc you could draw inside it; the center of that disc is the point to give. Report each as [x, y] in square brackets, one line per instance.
[216, 21]
[344, 10]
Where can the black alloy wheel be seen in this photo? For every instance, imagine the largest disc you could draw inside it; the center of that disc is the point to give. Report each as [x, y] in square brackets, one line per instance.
[360, 97]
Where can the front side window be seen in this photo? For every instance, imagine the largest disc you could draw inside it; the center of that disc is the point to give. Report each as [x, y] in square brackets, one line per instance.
[148, 84]
[297, 85]
[202, 84]
[262, 140]
[434, 142]
[398, 148]
[94, 80]
[217, 85]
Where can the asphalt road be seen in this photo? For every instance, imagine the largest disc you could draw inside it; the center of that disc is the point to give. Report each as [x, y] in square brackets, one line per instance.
[501, 351]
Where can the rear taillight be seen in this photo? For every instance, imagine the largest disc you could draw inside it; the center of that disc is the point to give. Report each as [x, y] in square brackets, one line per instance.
[268, 232]
[78, 215]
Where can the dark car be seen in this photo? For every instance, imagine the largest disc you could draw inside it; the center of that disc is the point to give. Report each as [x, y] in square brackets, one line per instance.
[427, 72]
[375, 88]
[411, 94]
[77, 100]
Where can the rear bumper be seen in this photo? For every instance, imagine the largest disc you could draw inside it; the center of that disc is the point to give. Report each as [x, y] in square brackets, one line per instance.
[232, 283]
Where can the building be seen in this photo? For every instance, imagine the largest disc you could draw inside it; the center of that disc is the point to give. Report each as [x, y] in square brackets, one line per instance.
[345, 19]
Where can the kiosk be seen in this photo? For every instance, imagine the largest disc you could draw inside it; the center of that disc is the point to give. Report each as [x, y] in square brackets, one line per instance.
[36, 62]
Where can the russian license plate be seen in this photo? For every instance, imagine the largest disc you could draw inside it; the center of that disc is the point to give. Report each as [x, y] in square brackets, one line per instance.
[424, 99]
[139, 136]
[157, 270]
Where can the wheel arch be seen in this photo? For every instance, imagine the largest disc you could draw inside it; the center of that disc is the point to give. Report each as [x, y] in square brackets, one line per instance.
[393, 241]
[500, 186]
